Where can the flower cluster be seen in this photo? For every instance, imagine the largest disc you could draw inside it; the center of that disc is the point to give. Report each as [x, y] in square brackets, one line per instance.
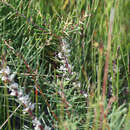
[63, 55]
[66, 66]
[7, 77]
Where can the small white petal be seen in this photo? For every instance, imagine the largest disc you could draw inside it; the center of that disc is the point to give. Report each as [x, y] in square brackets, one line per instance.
[31, 106]
[25, 110]
[13, 93]
[74, 83]
[12, 76]
[67, 78]
[24, 99]
[37, 127]
[60, 55]
[4, 78]
[47, 128]
[26, 102]
[36, 122]
[63, 68]
[27, 97]
[20, 93]
[21, 98]
[14, 86]
[85, 95]
[6, 70]
[1, 71]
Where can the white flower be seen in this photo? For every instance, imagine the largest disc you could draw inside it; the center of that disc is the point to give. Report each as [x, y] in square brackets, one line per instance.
[24, 99]
[29, 107]
[37, 127]
[14, 86]
[67, 78]
[85, 95]
[65, 47]
[25, 110]
[5, 70]
[4, 78]
[63, 68]
[12, 76]
[21, 98]
[74, 83]
[1, 71]
[60, 55]
[36, 122]
[47, 128]
[13, 93]
[26, 102]
[20, 93]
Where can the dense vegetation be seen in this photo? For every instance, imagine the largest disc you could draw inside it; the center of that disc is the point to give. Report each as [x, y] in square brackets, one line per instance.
[71, 57]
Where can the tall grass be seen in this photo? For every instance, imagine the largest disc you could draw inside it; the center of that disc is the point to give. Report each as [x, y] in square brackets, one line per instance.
[71, 58]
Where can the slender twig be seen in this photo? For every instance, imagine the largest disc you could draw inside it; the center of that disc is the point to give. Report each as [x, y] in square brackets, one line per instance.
[10, 116]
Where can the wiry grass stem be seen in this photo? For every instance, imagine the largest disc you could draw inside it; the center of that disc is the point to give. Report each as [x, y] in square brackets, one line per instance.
[108, 53]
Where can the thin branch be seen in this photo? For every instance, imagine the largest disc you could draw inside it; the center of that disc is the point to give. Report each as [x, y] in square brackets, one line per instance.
[10, 116]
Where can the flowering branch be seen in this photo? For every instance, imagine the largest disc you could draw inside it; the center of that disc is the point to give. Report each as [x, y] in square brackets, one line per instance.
[66, 66]
[8, 78]
[33, 76]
